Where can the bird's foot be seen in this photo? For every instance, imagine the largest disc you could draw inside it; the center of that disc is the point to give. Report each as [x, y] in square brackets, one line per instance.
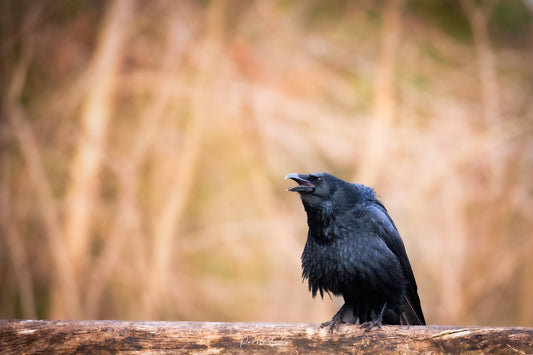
[333, 324]
[367, 326]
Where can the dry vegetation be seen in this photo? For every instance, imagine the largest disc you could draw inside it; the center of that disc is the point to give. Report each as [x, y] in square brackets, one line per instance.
[144, 145]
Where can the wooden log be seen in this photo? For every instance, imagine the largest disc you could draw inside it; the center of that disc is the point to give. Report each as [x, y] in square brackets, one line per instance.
[36, 336]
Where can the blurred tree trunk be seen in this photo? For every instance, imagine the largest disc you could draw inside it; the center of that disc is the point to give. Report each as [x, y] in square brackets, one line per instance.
[128, 217]
[15, 242]
[384, 95]
[83, 189]
[166, 225]
[478, 16]
[495, 166]
[62, 277]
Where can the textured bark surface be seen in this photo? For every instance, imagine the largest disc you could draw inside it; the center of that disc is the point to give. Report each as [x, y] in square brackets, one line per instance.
[31, 336]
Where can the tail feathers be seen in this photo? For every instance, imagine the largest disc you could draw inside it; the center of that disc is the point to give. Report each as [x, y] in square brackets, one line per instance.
[360, 314]
[412, 315]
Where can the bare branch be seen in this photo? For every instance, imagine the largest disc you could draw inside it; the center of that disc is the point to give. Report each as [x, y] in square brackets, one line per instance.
[255, 338]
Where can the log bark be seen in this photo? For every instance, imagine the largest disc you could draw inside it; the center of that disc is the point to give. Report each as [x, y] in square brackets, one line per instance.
[35, 336]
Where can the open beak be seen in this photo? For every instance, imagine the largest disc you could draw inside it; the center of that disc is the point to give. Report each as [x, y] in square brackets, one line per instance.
[304, 185]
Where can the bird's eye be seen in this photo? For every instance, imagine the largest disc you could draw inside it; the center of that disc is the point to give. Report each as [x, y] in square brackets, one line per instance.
[319, 178]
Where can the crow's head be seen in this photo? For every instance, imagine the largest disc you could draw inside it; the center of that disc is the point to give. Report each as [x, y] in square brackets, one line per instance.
[322, 189]
[324, 197]
[310, 184]
[316, 188]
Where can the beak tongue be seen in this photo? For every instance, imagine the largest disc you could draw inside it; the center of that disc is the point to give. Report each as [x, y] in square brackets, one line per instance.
[304, 185]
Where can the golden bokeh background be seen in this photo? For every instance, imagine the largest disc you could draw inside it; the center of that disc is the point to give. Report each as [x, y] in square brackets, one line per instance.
[143, 147]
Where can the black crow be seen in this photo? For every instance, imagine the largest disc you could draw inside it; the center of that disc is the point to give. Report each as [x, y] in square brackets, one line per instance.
[353, 249]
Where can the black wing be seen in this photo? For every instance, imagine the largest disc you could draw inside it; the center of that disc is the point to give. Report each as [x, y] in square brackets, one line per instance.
[389, 234]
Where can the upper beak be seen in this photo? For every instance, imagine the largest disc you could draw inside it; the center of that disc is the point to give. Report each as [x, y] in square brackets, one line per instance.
[304, 185]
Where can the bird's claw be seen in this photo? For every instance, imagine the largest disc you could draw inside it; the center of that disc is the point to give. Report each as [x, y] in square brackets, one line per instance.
[367, 326]
[332, 324]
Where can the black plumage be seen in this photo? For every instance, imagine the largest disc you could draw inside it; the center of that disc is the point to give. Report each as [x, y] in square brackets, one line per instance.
[353, 249]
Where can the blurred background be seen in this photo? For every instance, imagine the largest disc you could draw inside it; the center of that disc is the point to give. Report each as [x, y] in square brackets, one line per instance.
[143, 147]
